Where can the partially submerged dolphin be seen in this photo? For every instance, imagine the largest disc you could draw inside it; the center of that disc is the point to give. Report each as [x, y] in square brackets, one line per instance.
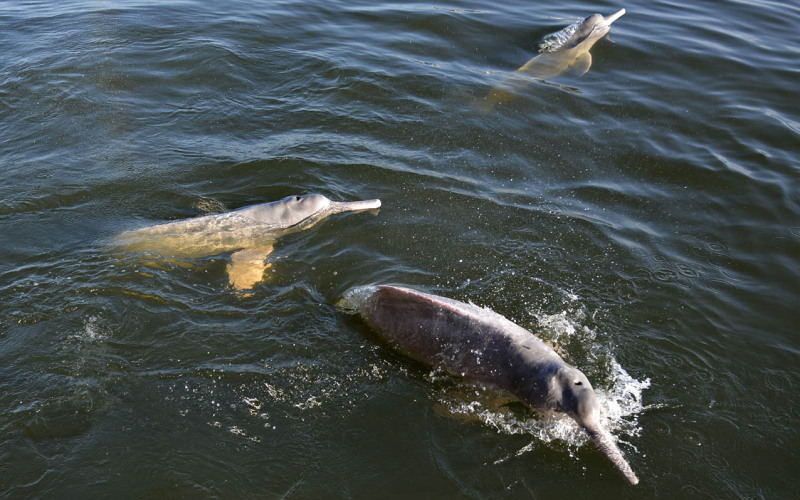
[249, 232]
[558, 52]
[470, 341]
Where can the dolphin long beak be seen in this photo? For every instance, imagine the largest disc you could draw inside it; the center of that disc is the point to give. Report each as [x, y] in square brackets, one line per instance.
[607, 447]
[613, 17]
[354, 206]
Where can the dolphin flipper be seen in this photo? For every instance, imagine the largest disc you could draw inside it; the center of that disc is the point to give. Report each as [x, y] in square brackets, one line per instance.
[582, 64]
[247, 267]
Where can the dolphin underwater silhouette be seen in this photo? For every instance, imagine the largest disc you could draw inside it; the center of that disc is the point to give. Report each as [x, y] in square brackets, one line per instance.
[558, 52]
[478, 343]
[249, 232]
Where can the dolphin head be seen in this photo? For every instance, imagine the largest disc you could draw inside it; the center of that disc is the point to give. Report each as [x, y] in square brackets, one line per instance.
[304, 211]
[595, 27]
[576, 396]
[579, 401]
[582, 33]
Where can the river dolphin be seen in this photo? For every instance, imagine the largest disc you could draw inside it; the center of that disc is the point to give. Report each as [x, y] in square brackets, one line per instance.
[249, 232]
[558, 52]
[478, 343]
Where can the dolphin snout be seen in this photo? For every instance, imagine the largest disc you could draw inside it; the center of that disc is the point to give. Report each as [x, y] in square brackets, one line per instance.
[602, 439]
[354, 206]
[613, 17]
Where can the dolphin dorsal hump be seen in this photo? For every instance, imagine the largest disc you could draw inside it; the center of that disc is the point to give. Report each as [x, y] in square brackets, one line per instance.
[571, 36]
[557, 40]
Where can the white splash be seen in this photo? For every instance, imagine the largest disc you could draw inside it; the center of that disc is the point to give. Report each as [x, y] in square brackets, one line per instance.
[92, 330]
[621, 405]
[311, 402]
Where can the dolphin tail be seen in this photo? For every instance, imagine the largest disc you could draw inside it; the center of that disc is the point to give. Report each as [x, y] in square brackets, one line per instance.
[605, 443]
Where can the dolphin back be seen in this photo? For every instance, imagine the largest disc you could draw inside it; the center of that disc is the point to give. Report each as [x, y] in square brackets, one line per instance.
[461, 338]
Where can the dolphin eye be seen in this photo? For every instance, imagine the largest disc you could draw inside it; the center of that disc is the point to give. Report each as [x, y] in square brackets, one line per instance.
[297, 198]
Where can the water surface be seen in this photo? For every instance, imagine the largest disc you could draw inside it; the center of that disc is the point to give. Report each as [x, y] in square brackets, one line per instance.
[644, 218]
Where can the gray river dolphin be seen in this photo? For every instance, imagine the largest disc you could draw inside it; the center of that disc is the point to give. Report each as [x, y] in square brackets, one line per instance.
[249, 232]
[471, 341]
[558, 52]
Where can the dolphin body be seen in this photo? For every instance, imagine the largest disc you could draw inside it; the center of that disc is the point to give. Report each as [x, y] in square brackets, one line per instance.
[470, 341]
[558, 52]
[249, 232]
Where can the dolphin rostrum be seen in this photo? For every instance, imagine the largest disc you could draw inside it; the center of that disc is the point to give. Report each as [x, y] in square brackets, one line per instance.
[478, 343]
[558, 52]
[249, 232]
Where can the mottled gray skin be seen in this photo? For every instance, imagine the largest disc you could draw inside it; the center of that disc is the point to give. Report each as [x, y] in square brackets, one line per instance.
[249, 232]
[246, 227]
[477, 343]
[561, 51]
